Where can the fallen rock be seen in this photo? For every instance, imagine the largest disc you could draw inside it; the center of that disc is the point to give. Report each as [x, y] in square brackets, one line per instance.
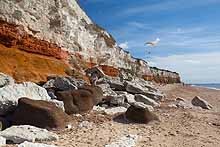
[95, 73]
[130, 98]
[184, 104]
[115, 110]
[125, 141]
[146, 100]
[140, 114]
[19, 134]
[121, 92]
[116, 85]
[117, 100]
[180, 99]
[31, 144]
[146, 84]
[98, 109]
[10, 94]
[197, 101]
[39, 113]
[157, 96]
[81, 100]
[5, 80]
[134, 88]
[61, 83]
[107, 91]
[172, 106]
[110, 111]
[142, 105]
[2, 141]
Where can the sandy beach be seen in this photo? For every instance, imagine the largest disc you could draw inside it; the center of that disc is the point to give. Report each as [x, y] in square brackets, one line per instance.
[177, 127]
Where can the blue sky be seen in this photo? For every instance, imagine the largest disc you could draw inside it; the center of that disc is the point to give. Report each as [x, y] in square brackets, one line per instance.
[189, 32]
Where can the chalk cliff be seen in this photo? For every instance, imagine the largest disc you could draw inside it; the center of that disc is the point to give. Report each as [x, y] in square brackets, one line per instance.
[43, 37]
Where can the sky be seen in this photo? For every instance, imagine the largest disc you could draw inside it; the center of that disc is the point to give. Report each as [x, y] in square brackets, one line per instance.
[189, 33]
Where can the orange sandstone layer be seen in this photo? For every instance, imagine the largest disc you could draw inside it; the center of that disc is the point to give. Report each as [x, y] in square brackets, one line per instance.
[24, 66]
[108, 70]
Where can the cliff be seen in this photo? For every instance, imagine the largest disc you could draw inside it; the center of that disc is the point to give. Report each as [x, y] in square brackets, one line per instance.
[163, 76]
[56, 36]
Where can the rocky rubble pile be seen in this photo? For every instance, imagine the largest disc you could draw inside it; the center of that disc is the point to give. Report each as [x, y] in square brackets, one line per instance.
[49, 106]
[28, 109]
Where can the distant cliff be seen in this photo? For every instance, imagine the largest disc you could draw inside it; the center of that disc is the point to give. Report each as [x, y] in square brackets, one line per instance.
[163, 76]
[39, 38]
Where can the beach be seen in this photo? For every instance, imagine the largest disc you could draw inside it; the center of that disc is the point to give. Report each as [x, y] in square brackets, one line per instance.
[178, 127]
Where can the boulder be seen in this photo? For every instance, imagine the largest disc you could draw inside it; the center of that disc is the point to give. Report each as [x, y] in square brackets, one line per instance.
[145, 84]
[130, 98]
[39, 113]
[61, 83]
[95, 73]
[184, 104]
[116, 85]
[157, 96]
[81, 100]
[121, 92]
[118, 100]
[197, 101]
[134, 88]
[180, 99]
[19, 134]
[2, 141]
[110, 111]
[10, 94]
[5, 80]
[146, 100]
[115, 110]
[98, 109]
[125, 141]
[140, 114]
[142, 105]
[172, 106]
[107, 91]
[31, 144]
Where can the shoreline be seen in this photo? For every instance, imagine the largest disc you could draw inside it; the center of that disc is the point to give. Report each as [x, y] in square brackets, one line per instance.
[213, 88]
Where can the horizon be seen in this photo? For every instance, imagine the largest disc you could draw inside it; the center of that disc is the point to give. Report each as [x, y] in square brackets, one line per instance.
[189, 33]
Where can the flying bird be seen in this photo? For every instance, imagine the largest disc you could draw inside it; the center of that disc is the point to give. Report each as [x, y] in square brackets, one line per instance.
[153, 43]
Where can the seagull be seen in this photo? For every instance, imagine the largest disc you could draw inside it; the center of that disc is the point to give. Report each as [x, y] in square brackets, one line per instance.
[153, 43]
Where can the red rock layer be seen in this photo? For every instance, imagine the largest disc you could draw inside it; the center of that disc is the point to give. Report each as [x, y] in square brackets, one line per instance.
[13, 35]
[24, 66]
[108, 70]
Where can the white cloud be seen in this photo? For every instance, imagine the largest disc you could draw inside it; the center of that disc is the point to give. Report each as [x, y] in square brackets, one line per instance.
[192, 61]
[124, 45]
[194, 68]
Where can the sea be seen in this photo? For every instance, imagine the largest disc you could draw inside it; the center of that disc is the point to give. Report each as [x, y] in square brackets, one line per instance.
[210, 86]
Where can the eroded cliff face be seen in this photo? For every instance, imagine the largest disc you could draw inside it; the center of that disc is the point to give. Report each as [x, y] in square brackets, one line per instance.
[60, 31]
[163, 76]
